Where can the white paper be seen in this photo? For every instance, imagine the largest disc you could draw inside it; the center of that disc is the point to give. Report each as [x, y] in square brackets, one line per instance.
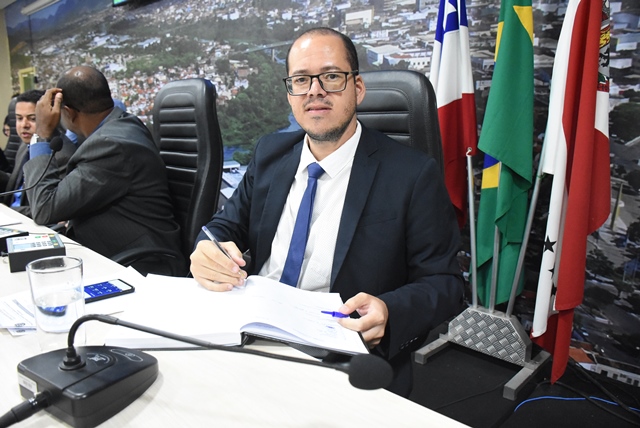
[6, 220]
[263, 306]
[16, 310]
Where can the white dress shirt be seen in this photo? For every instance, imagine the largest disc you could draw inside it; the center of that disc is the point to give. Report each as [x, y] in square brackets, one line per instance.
[325, 218]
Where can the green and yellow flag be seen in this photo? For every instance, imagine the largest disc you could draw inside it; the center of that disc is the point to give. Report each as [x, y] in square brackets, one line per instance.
[507, 141]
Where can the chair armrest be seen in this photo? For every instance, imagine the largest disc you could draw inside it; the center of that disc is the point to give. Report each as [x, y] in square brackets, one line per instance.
[128, 257]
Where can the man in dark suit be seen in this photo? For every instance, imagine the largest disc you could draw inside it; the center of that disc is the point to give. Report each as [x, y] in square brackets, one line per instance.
[5, 166]
[115, 194]
[383, 233]
[25, 111]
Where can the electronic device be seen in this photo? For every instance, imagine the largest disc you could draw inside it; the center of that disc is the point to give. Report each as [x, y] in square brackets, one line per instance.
[87, 385]
[6, 233]
[93, 293]
[132, 3]
[25, 249]
[109, 380]
[106, 289]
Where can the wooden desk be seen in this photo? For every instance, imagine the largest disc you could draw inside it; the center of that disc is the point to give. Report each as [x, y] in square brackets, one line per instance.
[204, 388]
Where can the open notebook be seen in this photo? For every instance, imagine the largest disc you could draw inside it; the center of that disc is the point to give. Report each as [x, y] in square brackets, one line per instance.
[263, 307]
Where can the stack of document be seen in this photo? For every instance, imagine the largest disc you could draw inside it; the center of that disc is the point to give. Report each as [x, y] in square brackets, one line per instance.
[262, 307]
[16, 314]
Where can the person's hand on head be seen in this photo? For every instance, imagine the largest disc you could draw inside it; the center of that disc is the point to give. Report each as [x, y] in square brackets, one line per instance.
[48, 113]
[212, 269]
[373, 317]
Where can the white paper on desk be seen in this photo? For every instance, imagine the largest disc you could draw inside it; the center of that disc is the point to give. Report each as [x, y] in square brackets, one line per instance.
[262, 307]
[16, 310]
[21, 331]
[6, 220]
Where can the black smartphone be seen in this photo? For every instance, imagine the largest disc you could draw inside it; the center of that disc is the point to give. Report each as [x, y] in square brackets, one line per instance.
[106, 289]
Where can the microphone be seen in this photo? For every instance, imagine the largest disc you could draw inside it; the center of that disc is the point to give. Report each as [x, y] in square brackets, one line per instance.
[56, 145]
[365, 371]
[69, 380]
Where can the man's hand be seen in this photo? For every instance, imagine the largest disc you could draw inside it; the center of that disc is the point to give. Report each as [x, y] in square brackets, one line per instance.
[48, 113]
[212, 269]
[373, 317]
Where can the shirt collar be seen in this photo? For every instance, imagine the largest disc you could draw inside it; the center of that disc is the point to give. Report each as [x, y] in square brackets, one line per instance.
[337, 160]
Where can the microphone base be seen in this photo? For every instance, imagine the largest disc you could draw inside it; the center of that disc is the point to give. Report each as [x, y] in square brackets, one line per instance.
[111, 379]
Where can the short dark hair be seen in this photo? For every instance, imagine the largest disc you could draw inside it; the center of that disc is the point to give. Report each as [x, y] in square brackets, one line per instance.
[350, 48]
[86, 91]
[6, 120]
[32, 96]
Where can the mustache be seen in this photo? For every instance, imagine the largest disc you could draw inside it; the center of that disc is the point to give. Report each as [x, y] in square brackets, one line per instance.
[317, 101]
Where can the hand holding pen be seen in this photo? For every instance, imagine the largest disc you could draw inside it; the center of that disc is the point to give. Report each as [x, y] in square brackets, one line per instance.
[215, 271]
[216, 242]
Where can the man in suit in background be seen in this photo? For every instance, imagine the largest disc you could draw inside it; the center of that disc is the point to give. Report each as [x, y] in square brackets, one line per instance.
[5, 166]
[115, 194]
[383, 233]
[25, 111]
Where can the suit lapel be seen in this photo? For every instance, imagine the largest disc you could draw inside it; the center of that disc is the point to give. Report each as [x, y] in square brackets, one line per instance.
[15, 179]
[279, 187]
[363, 173]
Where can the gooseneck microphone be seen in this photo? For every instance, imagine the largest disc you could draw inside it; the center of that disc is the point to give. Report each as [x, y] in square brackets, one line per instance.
[365, 371]
[56, 145]
[74, 384]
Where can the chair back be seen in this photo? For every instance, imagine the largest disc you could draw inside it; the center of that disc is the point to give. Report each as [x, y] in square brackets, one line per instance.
[186, 130]
[402, 104]
[14, 141]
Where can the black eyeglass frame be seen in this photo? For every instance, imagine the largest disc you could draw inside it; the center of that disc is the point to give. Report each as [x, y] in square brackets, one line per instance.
[317, 76]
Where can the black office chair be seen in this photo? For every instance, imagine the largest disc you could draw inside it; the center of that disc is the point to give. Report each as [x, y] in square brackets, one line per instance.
[13, 144]
[186, 131]
[402, 104]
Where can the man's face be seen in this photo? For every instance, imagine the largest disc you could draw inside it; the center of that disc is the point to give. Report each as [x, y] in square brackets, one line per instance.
[25, 120]
[6, 130]
[325, 116]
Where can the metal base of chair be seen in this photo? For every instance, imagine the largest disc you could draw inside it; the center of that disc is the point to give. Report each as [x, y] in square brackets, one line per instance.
[493, 334]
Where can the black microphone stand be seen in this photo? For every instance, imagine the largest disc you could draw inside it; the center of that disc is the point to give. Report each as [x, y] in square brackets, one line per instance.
[69, 381]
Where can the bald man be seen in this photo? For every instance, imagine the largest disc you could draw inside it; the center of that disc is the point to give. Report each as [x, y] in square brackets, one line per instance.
[115, 194]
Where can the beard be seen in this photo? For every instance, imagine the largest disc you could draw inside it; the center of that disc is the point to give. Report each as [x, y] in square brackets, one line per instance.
[331, 135]
[334, 134]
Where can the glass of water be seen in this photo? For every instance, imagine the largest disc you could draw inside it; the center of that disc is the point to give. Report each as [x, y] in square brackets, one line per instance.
[58, 298]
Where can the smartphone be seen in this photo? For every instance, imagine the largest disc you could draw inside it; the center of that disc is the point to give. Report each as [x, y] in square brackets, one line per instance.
[106, 289]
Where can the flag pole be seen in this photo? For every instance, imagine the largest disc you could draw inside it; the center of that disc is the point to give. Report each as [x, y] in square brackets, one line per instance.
[472, 230]
[525, 239]
[494, 270]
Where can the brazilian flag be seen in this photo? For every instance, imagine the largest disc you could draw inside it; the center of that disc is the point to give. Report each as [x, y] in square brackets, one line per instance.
[507, 141]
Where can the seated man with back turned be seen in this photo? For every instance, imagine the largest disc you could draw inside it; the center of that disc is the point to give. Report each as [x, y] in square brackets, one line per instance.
[383, 233]
[115, 194]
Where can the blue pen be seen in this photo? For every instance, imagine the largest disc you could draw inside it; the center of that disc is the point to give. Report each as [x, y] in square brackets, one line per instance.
[336, 314]
[215, 241]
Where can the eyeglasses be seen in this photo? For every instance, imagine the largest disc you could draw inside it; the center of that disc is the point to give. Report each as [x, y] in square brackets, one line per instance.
[332, 81]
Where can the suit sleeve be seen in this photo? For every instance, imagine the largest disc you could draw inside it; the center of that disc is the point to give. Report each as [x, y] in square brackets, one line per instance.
[232, 223]
[434, 288]
[92, 182]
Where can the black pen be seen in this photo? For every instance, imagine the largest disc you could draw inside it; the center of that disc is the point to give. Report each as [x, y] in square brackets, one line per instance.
[215, 241]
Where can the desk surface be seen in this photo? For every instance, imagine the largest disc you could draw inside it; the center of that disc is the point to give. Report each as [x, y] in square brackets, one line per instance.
[204, 387]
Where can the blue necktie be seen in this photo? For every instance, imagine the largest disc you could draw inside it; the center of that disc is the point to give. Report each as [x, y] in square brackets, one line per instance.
[17, 197]
[292, 266]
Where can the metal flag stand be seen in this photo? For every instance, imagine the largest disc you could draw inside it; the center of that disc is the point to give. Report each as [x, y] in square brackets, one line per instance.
[486, 330]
